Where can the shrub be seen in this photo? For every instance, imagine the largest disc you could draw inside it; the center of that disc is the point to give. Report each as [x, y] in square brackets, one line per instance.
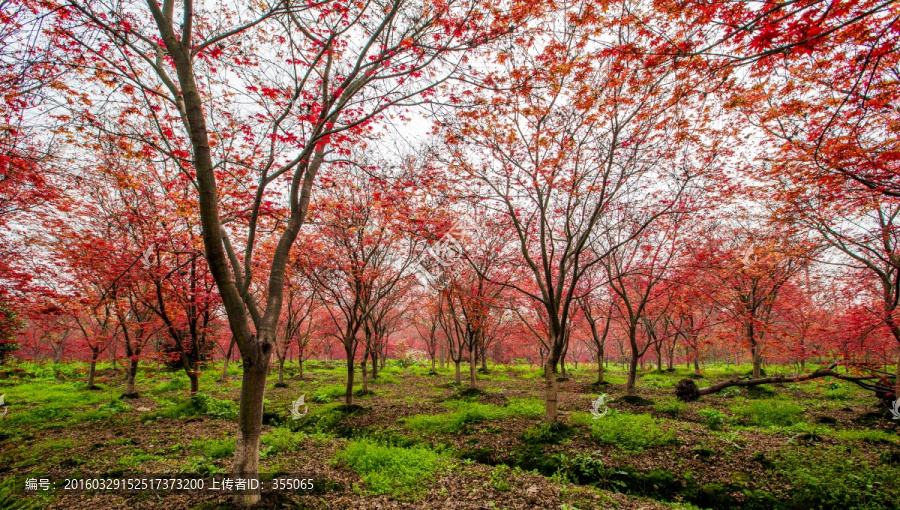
[320, 397]
[633, 432]
[714, 419]
[768, 413]
[671, 406]
[201, 404]
[391, 470]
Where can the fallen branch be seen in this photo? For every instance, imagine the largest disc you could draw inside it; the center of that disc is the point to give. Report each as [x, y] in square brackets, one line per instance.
[686, 390]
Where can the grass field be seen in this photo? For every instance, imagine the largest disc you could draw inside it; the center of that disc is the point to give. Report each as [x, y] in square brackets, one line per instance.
[418, 441]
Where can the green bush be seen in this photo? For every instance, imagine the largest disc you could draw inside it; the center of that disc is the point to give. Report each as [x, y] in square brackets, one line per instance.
[320, 397]
[204, 405]
[633, 432]
[398, 472]
[671, 406]
[714, 419]
[767, 413]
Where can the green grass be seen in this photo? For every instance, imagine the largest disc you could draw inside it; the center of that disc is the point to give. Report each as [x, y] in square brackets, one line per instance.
[630, 432]
[390, 470]
[215, 448]
[765, 413]
[671, 406]
[280, 440]
[466, 413]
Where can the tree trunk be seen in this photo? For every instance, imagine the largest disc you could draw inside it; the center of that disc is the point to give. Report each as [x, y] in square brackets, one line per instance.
[484, 367]
[550, 404]
[349, 395]
[91, 373]
[433, 371]
[246, 450]
[600, 365]
[130, 375]
[632, 375]
[473, 363]
[458, 380]
[365, 375]
[300, 361]
[374, 365]
[194, 376]
[281, 372]
[227, 357]
[757, 362]
[897, 381]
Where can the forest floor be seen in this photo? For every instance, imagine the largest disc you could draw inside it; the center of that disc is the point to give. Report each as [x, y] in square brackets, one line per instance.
[420, 441]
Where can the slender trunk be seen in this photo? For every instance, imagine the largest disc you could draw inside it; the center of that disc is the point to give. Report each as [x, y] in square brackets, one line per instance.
[658, 357]
[484, 367]
[632, 376]
[246, 450]
[632, 366]
[473, 362]
[757, 362]
[550, 397]
[374, 365]
[300, 361]
[696, 366]
[281, 372]
[433, 371]
[365, 375]
[350, 367]
[92, 371]
[458, 380]
[194, 376]
[130, 375]
[897, 381]
[600, 364]
[227, 357]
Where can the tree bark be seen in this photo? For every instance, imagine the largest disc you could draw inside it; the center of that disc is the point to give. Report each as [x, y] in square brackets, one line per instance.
[365, 375]
[281, 372]
[632, 376]
[246, 450]
[194, 376]
[600, 365]
[550, 397]
[473, 364]
[458, 379]
[687, 390]
[130, 375]
[757, 362]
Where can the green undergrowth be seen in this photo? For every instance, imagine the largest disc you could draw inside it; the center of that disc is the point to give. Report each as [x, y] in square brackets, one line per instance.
[399, 472]
[465, 413]
[202, 404]
[631, 432]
